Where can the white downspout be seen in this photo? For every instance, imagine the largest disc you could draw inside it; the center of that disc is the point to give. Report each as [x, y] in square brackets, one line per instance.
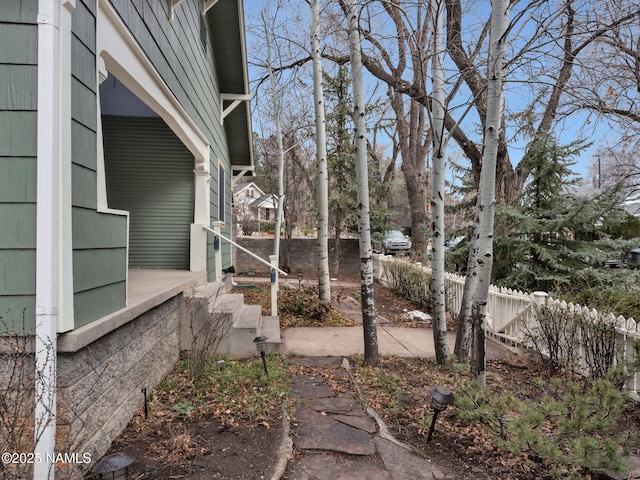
[47, 236]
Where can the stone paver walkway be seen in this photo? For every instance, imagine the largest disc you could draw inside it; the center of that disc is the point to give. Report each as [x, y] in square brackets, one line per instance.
[335, 439]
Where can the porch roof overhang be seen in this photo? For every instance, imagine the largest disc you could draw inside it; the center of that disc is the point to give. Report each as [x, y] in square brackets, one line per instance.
[226, 23]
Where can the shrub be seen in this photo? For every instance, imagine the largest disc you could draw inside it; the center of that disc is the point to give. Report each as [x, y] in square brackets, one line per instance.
[207, 329]
[624, 303]
[269, 227]
[568, 428]
[410, 281]
[578, 341]
[414, 283]
[303, 303]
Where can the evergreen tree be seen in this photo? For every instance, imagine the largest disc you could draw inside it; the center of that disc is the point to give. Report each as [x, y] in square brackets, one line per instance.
[552, 239]
[341, 157]
[341, 161]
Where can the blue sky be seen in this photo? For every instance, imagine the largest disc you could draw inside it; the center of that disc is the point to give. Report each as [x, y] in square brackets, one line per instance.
[579, 126]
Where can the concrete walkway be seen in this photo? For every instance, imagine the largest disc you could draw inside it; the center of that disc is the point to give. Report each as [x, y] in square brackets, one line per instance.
[346, 341]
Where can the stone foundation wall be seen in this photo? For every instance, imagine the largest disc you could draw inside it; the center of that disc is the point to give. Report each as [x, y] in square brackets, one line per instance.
[299, 255]
[100, 386]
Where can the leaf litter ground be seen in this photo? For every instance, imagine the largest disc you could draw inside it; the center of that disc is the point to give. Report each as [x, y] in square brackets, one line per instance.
[195, 433]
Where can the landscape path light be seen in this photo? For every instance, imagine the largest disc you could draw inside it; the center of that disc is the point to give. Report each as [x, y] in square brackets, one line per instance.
[261, 348]
[114, 466]
[299, 281]
[441, 398]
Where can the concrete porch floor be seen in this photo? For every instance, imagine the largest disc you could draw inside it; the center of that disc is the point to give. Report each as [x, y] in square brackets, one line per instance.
[146, 289]
[148, 285]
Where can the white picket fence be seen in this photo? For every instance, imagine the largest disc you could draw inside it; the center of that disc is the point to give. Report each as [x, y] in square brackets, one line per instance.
[511, 314]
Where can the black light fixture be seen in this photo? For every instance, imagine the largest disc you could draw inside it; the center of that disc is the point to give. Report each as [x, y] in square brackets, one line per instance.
[299, 281]
[261, 348]
[114, 466]
[441, 398]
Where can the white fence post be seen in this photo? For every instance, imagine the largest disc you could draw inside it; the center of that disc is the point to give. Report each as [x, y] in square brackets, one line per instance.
[274, 285]
[540, 297]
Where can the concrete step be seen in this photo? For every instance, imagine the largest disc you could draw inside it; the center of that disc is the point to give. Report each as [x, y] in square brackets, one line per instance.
[228, 303]
[238, 342]
[270, 328]
[248, 317]
[247, 323]
[209, 290]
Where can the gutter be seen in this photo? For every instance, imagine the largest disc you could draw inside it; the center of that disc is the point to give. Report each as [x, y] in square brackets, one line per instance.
[48, 155]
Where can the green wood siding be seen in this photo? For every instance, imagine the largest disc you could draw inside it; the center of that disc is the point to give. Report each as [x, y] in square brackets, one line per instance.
[150, 174]
[14, 280]
[18, 313]
[84, 186]
[18, 134]
[18, 226]
[20, 11]
[99, 239]
[92, 230]
[84, 24]
[83, 106]
[99, 264]
[18, 180]
[96, 268]
[18, 82]
[83, 146]
[98, 301]
[18, 87]
[181, 51]
[17, 289]
[19, 44]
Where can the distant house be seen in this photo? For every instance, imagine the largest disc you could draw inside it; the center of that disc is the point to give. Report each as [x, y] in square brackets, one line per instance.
[252, 207]
[122, 127]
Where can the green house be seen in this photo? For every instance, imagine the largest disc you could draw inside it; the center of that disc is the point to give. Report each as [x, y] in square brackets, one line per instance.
[123, 126]
[152, 125]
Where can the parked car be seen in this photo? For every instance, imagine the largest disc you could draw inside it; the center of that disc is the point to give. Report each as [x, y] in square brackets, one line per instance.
[395, 241]
[614, 263]
[452, 243]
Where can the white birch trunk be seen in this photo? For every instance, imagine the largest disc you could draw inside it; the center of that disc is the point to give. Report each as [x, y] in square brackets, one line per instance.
[366, 263]
[438, 186]
[324, 280]
[276, 114]
[485, 209]
[464, 320]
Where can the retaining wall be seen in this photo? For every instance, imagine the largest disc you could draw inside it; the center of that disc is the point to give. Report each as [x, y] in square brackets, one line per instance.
[299, 255]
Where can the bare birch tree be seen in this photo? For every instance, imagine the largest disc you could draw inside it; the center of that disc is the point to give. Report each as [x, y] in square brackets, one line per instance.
[607, 82]
[366, 263]
[438, 184]
[324, 280]
[482, 249]
[276, 112]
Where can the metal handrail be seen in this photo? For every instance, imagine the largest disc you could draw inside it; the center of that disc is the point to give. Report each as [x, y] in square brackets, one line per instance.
[244, 250]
